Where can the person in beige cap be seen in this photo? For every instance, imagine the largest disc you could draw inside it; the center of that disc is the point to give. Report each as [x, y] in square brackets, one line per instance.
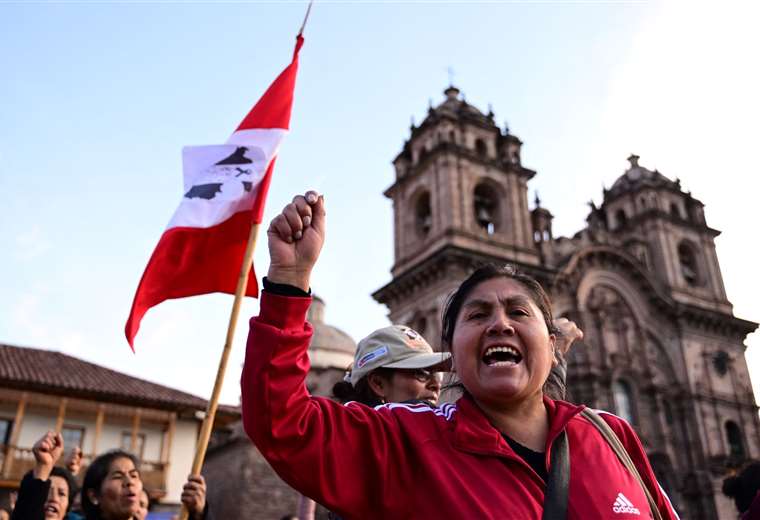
[394, 365]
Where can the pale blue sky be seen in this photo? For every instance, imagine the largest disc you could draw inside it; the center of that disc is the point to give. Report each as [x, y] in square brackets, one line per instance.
[98, 98]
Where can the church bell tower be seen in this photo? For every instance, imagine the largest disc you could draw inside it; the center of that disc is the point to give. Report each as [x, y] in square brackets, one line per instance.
[460, 198]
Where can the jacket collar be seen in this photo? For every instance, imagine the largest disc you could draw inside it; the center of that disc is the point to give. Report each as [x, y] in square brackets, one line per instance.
[474, 433]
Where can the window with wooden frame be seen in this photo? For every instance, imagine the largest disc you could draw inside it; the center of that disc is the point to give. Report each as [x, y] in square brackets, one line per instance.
[6, 425]
[72, 436]
[126, 444]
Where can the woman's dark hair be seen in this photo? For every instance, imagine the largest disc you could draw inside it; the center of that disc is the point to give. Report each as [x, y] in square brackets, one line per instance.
[58, 471]
[344, 391]
[555, 384]
[96, 474]
[744, 486]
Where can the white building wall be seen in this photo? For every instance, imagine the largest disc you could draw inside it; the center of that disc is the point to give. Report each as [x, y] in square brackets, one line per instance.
[35, 425]
[181, 458]
[153, 437]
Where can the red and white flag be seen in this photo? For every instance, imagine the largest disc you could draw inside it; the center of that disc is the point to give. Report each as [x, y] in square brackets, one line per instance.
[225, 188]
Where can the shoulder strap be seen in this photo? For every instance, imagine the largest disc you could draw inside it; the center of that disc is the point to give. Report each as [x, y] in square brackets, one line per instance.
[612, 439]
[558, 481]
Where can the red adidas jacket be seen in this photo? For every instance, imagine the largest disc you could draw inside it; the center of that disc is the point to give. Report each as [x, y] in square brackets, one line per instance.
[412, 461]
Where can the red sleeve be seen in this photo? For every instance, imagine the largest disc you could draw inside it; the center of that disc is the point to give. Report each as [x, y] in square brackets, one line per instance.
[639, 457]
[338, 455]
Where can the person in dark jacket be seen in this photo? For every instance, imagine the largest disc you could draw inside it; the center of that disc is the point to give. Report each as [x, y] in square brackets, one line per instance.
[46, 491]
[744, 488]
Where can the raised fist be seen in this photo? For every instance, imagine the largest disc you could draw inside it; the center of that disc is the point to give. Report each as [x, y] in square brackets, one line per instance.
[295, 239]
[47, 450]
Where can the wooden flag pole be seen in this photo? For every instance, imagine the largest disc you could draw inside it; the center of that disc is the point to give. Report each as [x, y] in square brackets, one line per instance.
[208, 420]
[245, 269]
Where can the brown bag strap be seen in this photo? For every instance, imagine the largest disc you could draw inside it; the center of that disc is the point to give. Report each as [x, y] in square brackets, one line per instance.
[612, 439]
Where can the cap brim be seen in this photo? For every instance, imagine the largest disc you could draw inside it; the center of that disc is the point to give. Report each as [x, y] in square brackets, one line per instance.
[436, 362]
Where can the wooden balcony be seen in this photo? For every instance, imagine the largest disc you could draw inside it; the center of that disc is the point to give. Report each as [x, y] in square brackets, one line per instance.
[16, 461]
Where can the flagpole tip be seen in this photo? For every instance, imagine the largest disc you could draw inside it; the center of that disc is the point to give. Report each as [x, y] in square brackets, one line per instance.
[305, 19]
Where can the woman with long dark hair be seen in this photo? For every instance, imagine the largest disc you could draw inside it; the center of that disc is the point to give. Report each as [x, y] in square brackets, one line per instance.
[112, 487]
[503, 450]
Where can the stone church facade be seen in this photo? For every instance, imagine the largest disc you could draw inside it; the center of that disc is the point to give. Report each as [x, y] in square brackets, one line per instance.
[662, 347]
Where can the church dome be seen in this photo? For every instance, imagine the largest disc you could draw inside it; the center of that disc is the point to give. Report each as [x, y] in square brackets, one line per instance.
[330, 347]
[457, 108]
[636, 176]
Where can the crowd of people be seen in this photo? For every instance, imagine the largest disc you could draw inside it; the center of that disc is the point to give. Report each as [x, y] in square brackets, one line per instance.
[111, 488]
[509, 447]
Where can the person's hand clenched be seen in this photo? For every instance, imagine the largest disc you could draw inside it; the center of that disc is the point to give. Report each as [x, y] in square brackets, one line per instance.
[295, 239]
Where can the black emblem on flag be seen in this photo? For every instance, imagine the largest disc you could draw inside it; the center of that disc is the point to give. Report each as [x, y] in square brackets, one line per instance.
[225, 175]
[205, 191]
[237, 157]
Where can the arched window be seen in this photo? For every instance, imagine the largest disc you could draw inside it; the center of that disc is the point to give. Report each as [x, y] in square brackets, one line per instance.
[623, 397]
[423, 218]
[481, 148]
[688, 260]
[720, 361]
[486, 208]
[675, 210]
[734, 438]
[424, 152]
[452, 136]
[620, 219]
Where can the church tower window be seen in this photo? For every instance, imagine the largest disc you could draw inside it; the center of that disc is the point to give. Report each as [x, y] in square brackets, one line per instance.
[486, 208]
[734, 438]
[423, 215]
[623, 397]
[688, 260]
[620, 219]
[481, 148]
[720, 362]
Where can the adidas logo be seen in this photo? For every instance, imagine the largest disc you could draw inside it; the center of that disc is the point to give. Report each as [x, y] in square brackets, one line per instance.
[623, 505]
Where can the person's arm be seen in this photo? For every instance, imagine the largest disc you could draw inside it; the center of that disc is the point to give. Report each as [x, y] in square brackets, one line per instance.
[32, 494]
[73, 461]
[566, 332]
[635, 450]
[338, 455]
[35, 485]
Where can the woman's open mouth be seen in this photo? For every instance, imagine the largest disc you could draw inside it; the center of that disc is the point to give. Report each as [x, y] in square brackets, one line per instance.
[502, 355]
[51, 509]
[130, 498]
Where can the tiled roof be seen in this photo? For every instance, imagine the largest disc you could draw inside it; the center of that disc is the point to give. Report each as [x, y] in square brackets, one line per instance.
[49, 372]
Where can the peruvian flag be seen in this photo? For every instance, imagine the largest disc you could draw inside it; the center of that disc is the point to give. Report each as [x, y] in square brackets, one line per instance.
[225, 187]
